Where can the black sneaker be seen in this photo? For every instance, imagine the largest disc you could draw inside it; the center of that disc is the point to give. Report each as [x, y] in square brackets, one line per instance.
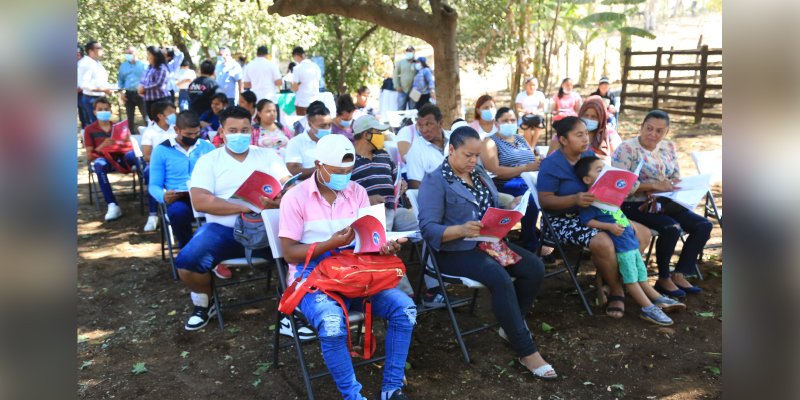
[303, 331]
[200, 317]
[397, 395]
[433, 298]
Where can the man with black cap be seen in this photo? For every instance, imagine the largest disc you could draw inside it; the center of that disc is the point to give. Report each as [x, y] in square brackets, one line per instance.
[609, 98]
[403, 77]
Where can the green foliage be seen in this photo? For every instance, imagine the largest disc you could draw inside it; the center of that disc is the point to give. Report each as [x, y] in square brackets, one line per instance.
[486, 32]
[625, 2]
[629, 30]
[139, 368]
[605, 17]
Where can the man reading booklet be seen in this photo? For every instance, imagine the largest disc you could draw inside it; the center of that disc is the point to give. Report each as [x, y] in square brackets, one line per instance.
[261, 184]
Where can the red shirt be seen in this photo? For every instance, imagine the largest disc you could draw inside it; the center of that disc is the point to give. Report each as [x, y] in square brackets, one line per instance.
[94, 135]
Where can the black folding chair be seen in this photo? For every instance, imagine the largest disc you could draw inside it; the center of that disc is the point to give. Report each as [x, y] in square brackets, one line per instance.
[356, 319]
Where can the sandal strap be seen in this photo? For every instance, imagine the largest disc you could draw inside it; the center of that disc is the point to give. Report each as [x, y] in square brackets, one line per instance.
[615, 309]
[543, 370]
[614, 297]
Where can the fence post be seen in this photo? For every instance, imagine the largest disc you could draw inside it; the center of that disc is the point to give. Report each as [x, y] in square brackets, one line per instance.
[624, 80]
[669, 71]
[656, 71]
[701, 92]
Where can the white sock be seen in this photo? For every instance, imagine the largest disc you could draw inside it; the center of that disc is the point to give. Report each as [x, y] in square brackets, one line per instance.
[200, 299]
[153, 215]
[387, 395]
[112, 204]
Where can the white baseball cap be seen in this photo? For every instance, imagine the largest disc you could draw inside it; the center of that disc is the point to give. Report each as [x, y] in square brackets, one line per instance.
[332, 149]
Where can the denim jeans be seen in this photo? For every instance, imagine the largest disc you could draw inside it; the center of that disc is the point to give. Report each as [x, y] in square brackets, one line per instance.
[180, 219]
[87, 103]
[511, 300]
[152, 204]
[327, 318]
[669, 226]
[516, 187]
[82, 112]
[134, 101]
[102, 167]
[402, 100]
[211, 244]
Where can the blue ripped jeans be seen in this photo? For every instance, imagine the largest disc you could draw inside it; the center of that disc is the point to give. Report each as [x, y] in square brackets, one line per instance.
[327, 318]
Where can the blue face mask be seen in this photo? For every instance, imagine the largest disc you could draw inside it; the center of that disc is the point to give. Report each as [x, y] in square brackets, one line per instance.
[409, 55]
[322, 133]
[172, 118]
[103, 115]
[128, 57]
[345, 124]
[220, 59]
[338, 181]
[508, 129]
[487, 115]
[237, 142]
[591, 125]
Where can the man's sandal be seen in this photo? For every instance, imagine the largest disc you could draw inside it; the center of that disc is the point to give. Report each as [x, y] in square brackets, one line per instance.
[610, 309]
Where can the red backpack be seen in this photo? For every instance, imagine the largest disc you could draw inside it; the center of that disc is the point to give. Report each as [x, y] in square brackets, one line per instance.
[346, 274]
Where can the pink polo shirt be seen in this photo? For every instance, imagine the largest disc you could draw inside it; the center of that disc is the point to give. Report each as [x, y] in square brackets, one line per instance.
[308, 218]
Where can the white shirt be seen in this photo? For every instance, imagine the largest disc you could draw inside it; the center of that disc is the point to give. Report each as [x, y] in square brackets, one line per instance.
[153, 135]
[92, 75]
[408, 134]
[530, 103]
[301, 149]
[221, 174]
[262, 74]
[307, 74]
[184, 74]
[424, 157]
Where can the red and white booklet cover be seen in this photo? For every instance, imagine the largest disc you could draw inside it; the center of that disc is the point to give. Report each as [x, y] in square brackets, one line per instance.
[397, 184]
[370, 230]
[261, 184]
[612, 186]
[498, 222]
[120, 132]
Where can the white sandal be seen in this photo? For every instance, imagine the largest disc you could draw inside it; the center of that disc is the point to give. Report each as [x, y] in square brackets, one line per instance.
[542, 372]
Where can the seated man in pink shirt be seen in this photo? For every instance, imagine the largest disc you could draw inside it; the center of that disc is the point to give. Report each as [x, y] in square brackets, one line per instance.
[320, 210]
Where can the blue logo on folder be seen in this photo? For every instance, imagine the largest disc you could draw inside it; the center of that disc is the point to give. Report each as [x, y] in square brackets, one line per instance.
[376, 238]
[621, 184]
[267, 189]
[505, 221]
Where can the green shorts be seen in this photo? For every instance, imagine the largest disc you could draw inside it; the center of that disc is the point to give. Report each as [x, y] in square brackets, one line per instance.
[631, 266]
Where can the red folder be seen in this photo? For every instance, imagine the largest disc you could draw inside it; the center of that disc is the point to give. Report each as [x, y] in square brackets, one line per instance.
[498, 222]
[261, 184]
[120, 132]
[612, 187]
[370, 234]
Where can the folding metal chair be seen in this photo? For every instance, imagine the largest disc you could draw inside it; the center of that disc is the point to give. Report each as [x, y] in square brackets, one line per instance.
[550, 237]
[234, 262]
[167, 239]
[710, 162]
[138, 170]
[356, 319]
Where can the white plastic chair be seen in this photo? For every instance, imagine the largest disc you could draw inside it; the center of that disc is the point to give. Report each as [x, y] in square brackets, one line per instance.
[710, 162]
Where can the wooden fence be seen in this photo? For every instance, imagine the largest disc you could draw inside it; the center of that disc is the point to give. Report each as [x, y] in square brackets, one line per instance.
[686, 88]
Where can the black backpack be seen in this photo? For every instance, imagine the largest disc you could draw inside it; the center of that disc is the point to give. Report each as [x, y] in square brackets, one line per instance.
[249, 230]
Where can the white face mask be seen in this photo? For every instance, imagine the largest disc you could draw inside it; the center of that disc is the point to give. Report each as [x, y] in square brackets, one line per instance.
[418, 66]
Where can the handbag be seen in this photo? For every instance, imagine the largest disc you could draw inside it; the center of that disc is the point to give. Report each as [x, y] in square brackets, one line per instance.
[111, 152]
[414, 94]
[346, 274]
[500, 252]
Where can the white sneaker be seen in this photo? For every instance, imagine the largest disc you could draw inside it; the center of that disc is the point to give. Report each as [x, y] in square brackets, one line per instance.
[114, 212]
[152, 223]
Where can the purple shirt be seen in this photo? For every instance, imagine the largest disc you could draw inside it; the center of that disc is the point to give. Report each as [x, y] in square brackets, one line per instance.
[155, 83]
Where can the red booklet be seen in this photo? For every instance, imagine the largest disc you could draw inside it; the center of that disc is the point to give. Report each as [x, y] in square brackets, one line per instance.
[370, 230]
[612, 186]
[120, 132]
[261, 184]
[498, 222]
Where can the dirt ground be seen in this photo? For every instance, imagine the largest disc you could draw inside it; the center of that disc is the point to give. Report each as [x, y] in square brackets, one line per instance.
[130, 311]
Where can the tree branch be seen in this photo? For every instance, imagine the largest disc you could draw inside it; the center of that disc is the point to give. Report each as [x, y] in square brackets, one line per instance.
[411, 22]
[413, 4]
[361, 38]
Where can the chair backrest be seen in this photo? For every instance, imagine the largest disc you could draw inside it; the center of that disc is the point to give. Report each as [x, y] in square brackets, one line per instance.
[197, 214]
[412, 197]
[548, 105]
[395, 118]
[136, 141]
[530, 180]
[271, 224]
[542, 150]
[391, 148]
[709, 162]
[141, 129]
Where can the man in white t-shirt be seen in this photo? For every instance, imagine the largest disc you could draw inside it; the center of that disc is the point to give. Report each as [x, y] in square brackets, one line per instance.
[216, 176]
[300, 153]
[428, 150]
[306, 75]
[262, 76]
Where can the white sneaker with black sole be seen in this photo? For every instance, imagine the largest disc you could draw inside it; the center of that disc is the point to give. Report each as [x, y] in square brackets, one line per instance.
[200, 317]
[303, 331]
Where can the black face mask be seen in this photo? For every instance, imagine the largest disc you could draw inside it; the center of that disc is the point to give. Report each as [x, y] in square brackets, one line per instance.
[189, 141]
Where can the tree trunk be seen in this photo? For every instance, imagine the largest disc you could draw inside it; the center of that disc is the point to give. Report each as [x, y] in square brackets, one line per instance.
[624, 43]
[438, 28]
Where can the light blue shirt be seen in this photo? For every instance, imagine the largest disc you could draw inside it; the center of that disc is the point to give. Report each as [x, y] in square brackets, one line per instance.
[171, 166]
[130, 73]
[227, 75]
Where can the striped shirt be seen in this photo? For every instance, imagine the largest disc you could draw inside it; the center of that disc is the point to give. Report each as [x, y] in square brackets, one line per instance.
[155, 83]
[512, 155]
[377, 175]
[305, 215]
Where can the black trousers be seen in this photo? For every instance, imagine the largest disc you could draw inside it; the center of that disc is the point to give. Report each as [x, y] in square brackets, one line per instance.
[133, 101]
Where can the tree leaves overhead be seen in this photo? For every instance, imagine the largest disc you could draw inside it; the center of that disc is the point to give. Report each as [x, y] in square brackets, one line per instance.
[605, 17]
[623, 2]
[629, 30]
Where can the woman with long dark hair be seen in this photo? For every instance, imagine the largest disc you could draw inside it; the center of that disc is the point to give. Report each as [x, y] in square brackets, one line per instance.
[566, 103]
[153, 86]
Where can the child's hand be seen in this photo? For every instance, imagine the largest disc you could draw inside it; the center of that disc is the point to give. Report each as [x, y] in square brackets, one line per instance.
[616, 229]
